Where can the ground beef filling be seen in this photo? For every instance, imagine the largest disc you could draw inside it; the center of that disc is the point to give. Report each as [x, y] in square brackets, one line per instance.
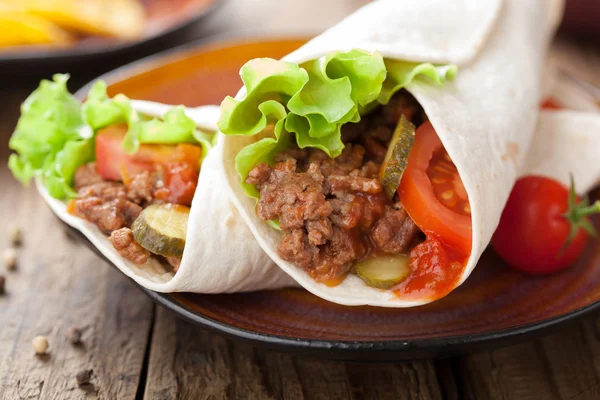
[333, 212]
[114, 206]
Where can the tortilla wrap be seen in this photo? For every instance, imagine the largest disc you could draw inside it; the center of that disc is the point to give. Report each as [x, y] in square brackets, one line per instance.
[485, 118]
[220, 255]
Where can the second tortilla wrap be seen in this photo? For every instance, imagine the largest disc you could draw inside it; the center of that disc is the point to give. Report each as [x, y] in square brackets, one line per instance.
[485, 118]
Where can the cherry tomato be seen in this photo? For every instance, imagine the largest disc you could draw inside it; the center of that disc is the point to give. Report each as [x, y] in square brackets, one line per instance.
[551, 104]
[544, 226]
[433, 194]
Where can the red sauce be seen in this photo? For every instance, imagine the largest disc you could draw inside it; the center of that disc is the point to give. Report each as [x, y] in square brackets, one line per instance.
[436, 270]
[437, 266]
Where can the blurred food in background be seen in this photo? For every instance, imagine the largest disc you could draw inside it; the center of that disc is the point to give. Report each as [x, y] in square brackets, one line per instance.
[64, 22]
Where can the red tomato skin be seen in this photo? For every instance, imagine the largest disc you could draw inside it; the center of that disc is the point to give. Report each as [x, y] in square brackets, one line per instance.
[180, 164]
[418, 198]
[181, 181]
[111, 159]
[533, 231]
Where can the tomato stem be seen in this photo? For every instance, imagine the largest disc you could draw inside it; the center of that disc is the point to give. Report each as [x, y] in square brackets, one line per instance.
[577, 215]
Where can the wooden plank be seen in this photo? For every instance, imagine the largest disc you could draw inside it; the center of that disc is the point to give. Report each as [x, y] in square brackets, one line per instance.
[60, 283]
[187, 361]
[516, 372]
[564, 365]
[572, 357]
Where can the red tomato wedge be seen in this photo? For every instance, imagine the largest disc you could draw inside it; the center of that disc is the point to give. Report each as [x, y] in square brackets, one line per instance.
[180, 163]
[433, 194]
[112, 160]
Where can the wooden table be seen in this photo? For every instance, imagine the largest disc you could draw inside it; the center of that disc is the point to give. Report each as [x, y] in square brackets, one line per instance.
[140, 351]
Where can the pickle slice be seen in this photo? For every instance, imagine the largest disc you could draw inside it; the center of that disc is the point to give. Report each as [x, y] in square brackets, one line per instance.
[383, 271]
[161, 229]
[396, 157]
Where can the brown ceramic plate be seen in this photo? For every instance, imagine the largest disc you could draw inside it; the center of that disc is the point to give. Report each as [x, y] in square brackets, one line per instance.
[163, 17]
[495, 306]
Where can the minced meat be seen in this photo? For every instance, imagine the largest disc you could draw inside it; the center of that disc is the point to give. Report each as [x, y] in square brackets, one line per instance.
[333, 212]
[395, 231]
[114, 206]
[124, 242]
[86, 175]
[106, 205]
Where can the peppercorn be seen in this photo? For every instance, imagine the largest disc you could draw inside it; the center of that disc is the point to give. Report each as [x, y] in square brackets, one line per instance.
[74, 335]
[16, 236]
[9, 257]
[40, 344]
[84, 376]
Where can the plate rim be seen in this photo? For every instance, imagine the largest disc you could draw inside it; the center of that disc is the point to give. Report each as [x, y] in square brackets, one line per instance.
[110, 50]
[367, 350]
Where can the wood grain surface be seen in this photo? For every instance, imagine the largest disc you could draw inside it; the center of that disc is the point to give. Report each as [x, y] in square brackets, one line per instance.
[139, 351]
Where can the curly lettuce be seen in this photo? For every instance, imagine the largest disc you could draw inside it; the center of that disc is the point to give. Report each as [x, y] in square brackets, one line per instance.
[55, 133]
[308, 104]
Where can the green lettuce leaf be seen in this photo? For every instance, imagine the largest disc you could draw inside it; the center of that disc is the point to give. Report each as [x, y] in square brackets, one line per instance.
[317, 99]
[264, 150]
[401, 73]
[56, 133]
[99, 110]
[265, 79]
[338, 84]
[59, 173]
[50, 131]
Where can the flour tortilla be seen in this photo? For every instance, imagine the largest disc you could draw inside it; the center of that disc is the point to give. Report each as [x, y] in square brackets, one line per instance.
[485, 118]
[567, 142]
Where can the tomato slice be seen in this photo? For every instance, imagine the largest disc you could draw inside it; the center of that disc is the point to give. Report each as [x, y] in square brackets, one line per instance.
[433, 194]
[180, 164]
[112, 161]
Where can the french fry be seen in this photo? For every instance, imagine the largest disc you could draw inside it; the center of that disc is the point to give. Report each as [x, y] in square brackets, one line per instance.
[118, 18]
[19, 28]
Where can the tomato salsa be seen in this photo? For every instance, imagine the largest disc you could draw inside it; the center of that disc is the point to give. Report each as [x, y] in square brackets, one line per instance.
[435, 198]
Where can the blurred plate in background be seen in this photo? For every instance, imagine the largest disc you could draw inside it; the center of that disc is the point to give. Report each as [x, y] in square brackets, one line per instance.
[162, 18]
